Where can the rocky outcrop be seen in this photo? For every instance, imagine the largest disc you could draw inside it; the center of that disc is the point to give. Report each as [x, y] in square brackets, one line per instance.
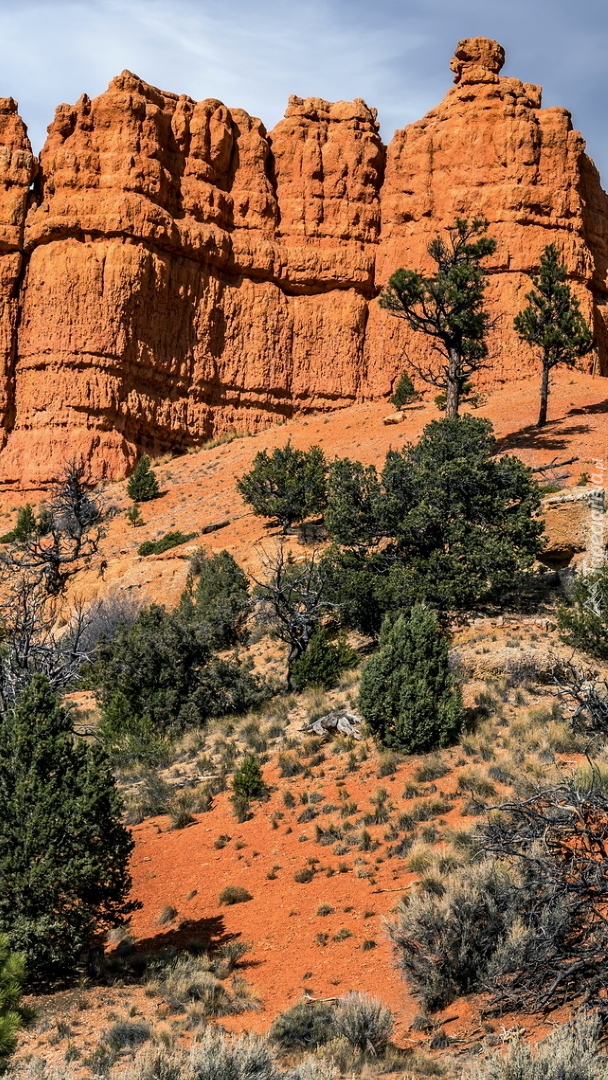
[17, 170]
[178, 271]
[490, 148]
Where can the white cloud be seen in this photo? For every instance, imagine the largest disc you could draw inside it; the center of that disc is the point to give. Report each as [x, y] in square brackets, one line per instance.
[254, 53]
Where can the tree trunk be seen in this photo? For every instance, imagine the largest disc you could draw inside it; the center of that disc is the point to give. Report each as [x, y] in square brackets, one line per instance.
[544, 396]
[295, 652]
[452, 401]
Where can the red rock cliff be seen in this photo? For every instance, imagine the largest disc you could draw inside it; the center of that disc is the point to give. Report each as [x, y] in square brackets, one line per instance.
[176, 270]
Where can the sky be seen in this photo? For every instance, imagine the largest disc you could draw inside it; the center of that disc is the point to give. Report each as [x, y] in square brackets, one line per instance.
[255, 53]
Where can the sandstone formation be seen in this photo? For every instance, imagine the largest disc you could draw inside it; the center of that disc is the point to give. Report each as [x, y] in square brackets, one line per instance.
[170, 270]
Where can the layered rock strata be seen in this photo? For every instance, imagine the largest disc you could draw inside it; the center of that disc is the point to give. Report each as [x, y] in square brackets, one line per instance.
[170, 270]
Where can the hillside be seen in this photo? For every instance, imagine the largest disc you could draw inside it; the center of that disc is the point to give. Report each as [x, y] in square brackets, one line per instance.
[361, 850]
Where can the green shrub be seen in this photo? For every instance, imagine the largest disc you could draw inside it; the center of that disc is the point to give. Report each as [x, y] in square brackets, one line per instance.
[245, 1057]
[289, 485]
[197, 980]
[12, 972]
[289, 765]
[446, 944]
[248, 780]
[216, 600]
[26, 526]
[323, 661]
[134, 516]
[156, 1063]
[64, 852]
[234, 894]
[305, 1026]
[127, 1035]
[168, 541]
[143, 485]
[158, 678]
[583, 622]
[431, 769]
[407, 695]
[304, 876]
[405, 391]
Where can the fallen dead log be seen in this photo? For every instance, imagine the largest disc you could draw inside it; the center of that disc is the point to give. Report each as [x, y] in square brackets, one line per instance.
[337, 722]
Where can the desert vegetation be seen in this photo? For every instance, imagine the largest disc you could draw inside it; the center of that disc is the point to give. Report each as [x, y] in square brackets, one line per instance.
[326, 713]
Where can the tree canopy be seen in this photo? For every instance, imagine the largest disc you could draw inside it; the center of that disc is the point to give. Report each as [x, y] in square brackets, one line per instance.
[64, 852]
[289, 485]
[448, 306]
[447, 523]
[552, 322]
[408, 695]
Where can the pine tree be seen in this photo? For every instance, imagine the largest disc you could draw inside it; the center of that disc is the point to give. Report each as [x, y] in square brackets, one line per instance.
[289, 485]
[324, 661]
[408, 696]
[216, 599]
[64, 851]
[143, 485]
[25, 527]
[405, 391]
[134, 516]
[461, 525]
[553, 322]
[248, 780]
[12, 972]
[448, 307]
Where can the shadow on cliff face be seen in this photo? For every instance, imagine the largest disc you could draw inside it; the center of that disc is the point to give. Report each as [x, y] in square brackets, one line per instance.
[550, 437]
[157, 360]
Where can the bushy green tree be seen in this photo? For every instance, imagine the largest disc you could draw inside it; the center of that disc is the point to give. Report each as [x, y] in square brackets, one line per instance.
[142, 484]
[583, 621]
[158, 677]
[64, 852]
[447, 523]
[152, 665]
[323, 661]
[405, 391]
[12, 974]
[408, 695]
[289, 485]
[353, 516]
[552, 322]
[448, 306]
[217, 599]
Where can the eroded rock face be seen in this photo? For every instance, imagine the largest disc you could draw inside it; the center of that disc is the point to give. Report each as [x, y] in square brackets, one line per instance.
[178, 271]
[490, 149]
[17, 170]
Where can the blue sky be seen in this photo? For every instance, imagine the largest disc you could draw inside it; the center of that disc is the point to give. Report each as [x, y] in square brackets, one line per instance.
[254, 53]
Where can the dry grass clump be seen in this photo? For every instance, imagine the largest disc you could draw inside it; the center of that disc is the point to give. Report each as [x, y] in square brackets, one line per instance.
[167, 915]
[432, 768]
[234, 894]
[195, 981]
[571, 1052]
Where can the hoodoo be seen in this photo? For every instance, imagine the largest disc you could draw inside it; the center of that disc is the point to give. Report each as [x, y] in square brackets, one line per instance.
[169, 270]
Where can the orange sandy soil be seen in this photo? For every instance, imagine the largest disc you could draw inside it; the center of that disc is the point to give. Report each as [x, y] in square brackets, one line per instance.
[183, 869]
[199, 488]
